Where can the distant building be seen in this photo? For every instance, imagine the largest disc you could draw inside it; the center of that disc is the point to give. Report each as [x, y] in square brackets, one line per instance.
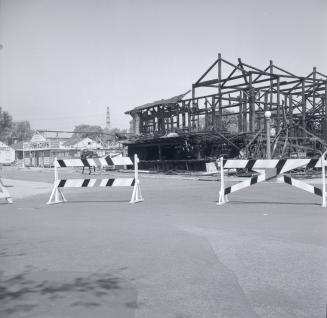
[41, 151]
[7, 154]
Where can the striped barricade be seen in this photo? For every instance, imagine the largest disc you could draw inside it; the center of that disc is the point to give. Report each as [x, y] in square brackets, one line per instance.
[269, 169]
[57, 195]
[4, 194]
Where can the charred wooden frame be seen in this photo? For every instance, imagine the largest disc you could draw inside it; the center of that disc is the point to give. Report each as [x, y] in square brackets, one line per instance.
[297, 103]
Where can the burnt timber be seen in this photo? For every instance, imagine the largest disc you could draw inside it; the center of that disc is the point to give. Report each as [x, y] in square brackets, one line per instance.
[225, 116]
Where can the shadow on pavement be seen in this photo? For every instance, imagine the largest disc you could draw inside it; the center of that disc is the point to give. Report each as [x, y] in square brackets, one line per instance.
[94, 201]
[66, 294]
[272, 203]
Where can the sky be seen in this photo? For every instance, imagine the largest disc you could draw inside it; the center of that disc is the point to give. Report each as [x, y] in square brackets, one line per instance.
[62, 62]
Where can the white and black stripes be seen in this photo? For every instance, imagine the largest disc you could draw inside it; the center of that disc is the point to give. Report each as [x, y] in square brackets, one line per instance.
[57, 195]
[94, 162]
[88, 183]
[246, 183]
[301, 185]
[281, 165]
[270, 169]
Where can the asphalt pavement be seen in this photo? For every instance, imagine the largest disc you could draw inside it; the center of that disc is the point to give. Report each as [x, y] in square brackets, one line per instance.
[175, 255]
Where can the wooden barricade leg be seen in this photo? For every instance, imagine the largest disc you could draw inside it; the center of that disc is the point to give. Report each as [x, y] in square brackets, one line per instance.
[137, 194]
[4, 193]
[222, 198]
[301, 185]
[323, 172]
[264, 175]
[56, 195]
[308, 187]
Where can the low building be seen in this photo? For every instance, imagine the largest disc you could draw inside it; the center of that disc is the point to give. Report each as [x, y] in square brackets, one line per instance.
[41, 151]
[7, 154]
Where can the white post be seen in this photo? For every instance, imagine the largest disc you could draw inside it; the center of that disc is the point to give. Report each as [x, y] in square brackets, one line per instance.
[56, 194]
[137, 195]
[4, 193]
[54, 189]
[221, 199]
[23, 156]
[136, 168]
[323, 172]
[55, 169]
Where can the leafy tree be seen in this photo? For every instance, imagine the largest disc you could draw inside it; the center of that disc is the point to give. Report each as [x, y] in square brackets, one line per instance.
[117, 131]
[6, 125]
[116, 134]
[90, 131]
[98, 134]
[21, 131]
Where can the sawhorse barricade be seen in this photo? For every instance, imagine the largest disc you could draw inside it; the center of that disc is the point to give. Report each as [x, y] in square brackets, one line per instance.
[57, 196]
[269, 169]
[4, 194]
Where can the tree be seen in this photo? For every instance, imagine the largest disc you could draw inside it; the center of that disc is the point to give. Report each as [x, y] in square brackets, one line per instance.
[84, 131]
[6, 125]
[21, 131]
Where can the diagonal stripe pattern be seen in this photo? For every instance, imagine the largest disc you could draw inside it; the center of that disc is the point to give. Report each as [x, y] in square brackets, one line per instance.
[88, 183]
[269, 169]
[301, 185]
[94, 162]
[281, 165]
[246, 183]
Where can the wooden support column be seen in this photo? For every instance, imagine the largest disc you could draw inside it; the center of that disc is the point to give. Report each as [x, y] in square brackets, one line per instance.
[191, 114]
[271, 70]
[251, 105]
[183, 115]
[303, 107]
[325, 108]
[240, 115]
[290, 114]
[285, 102]
[220, 111]
[258, 121]
[153, 115]
[189, 117]
[265, 108]
[206, 115]
[213, 111]
[198, 115]
[245, 117]
[278, 103]
[314, 75]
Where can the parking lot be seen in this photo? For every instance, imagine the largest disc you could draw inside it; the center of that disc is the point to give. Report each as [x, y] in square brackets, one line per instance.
[177, 254]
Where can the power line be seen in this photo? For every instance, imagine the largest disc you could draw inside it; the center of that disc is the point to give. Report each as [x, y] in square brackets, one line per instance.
[83, 132]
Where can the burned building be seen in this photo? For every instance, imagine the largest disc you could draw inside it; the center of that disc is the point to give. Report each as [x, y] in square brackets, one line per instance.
[224, 115]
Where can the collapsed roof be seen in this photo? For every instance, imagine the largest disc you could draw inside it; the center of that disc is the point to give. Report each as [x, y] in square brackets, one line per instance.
[169, 101]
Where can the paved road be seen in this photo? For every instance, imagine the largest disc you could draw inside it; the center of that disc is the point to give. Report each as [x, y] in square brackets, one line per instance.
[175, 255]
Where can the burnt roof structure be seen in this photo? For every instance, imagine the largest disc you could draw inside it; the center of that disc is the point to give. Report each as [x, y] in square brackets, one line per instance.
[230, 99]
[166, 102]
